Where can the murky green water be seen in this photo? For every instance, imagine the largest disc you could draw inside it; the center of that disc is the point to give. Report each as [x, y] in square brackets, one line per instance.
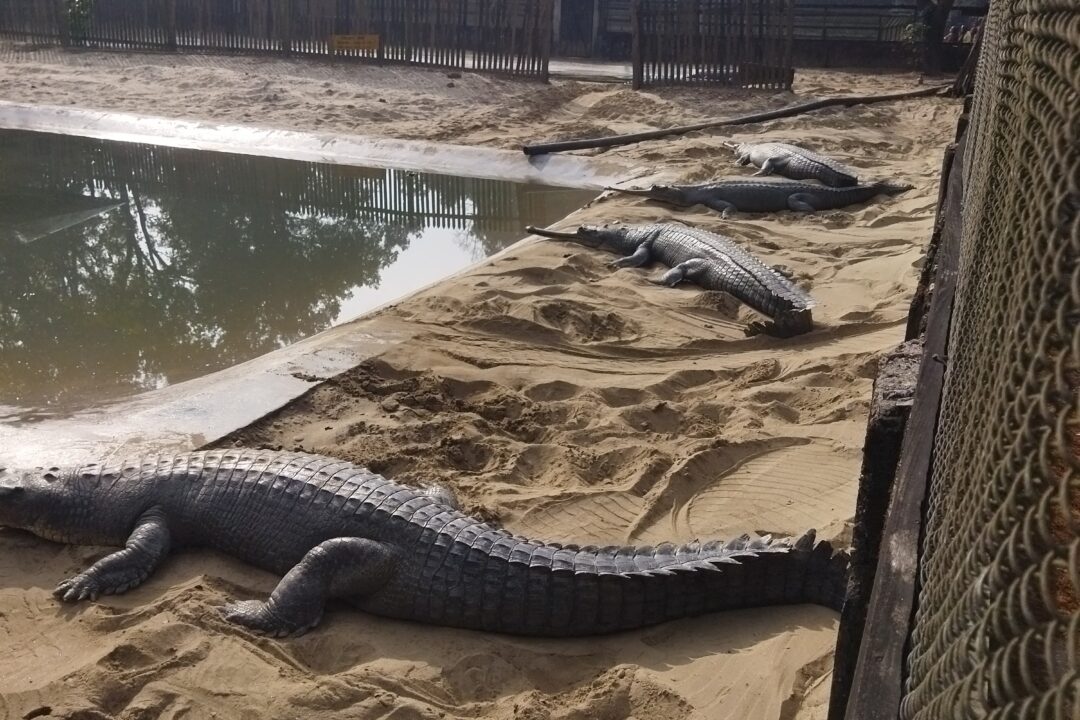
[128, 267]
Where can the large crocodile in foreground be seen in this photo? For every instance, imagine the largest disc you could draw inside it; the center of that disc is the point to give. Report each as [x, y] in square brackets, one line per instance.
[337, 531]
[765, 195]
[794, 162]
[712, 261]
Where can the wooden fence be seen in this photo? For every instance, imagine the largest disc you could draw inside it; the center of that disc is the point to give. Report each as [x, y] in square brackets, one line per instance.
[737, 43]
[34, 20]
[504, 36]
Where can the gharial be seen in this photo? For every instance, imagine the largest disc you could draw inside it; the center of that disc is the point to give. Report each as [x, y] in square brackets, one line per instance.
[794, 162]
[712, 261]
[765, 195]
[337, 531]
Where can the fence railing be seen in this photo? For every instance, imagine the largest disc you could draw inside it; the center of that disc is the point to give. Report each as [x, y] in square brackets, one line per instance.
[738, 43]
[504, 36]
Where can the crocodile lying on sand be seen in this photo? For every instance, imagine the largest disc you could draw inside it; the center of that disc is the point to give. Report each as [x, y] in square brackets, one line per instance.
[765, 195]
[794, 162]
[337, 531]
[712, 261]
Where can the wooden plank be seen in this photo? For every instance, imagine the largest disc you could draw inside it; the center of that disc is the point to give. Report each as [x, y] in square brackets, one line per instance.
[877, 685]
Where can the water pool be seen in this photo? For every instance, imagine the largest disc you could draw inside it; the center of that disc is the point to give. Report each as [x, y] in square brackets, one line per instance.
[128, 267]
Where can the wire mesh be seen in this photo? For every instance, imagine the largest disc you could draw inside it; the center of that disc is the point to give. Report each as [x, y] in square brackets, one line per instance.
[997, 631]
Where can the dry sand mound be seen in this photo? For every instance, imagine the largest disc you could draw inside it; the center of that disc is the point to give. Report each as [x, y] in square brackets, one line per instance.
[560, 397]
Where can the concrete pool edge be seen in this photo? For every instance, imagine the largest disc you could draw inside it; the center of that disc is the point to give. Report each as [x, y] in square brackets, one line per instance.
[573, 171]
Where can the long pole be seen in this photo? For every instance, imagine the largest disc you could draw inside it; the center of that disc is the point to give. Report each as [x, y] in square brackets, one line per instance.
[614, 140]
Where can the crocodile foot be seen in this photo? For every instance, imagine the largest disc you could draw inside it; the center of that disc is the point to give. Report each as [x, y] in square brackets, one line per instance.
[259, 617]
[79, 587]
[88, 586]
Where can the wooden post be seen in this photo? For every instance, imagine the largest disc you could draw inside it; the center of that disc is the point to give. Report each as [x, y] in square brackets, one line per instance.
[890, 406]
[878, 680]
[64, 22]
[635, 24]
[938, 15]
[789, 60]
[170, 24]
[547, 9]
[595, 27]
[745, 77]
[284, 25]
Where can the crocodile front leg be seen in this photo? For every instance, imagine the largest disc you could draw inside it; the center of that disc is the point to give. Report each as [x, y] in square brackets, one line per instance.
[341, 567]
[723, 207]
[124, 569]
[801, 202]
[686, 270]
[770, 166]
[637, 259]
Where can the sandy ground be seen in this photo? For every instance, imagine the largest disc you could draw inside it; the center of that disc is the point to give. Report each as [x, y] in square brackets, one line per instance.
[562, 398]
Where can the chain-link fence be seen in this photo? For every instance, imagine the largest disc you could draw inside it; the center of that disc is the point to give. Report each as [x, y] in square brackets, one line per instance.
[997, 631]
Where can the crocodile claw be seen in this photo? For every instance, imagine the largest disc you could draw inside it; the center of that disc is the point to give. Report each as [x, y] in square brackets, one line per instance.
[78, 588]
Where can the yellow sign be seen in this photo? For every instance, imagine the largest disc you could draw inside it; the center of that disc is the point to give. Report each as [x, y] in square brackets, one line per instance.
[354, 42]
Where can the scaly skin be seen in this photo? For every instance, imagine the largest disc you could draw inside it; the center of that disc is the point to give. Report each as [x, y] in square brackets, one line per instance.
[712, 261]
[746, 195]
[336, 530]
[795, 162]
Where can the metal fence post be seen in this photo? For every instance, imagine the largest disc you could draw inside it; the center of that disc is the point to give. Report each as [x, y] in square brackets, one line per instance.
[63, 22]
[547, 28]
[638, 61]
[170, 24]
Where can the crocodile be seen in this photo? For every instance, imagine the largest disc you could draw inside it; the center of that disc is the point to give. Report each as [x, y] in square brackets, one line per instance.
[794, 162]
[336, 531]
[765, 195]
[712, 261]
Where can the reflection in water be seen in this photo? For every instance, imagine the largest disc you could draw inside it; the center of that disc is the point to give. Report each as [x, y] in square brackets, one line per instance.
[127, 267]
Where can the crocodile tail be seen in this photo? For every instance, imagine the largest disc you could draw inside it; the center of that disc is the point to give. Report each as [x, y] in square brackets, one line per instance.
[892, 188]
[844, 179]
[501, 583]
[824, 571]
[621, 588]
[803, 571]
